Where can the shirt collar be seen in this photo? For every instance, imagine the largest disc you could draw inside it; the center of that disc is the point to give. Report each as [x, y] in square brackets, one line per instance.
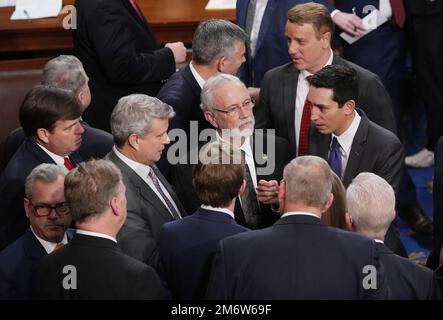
[49, 246]
[57, 159]
[299, 213]
[96, 234]
[346, 138]
[141, 169]
[224, 210]
[305, 73]
[198, 78]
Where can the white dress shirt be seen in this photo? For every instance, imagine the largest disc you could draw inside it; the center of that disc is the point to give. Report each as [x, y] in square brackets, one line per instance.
[49, 246]
[59, 160]
[96, 234]
[299, 213]
[224, 210]
[258, 17]
[197, 76]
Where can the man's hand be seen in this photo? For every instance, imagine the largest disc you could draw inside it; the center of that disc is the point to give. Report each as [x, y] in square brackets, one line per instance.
[267, 191]
[350, 23]
[178, 50]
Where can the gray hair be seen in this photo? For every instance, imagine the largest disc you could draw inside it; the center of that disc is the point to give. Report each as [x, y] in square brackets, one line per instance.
[308, 180]
[213, 83]
[47, 172]
[371, 204]
[214, 39]
[133, 114]
[65, 72]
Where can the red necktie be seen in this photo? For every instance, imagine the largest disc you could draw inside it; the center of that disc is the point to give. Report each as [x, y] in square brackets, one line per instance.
[303, 140]
[398, 12]
[137, 9]
[68, 164]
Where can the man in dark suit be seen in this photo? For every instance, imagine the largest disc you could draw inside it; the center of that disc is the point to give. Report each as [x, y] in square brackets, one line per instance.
[227, 106]
[298, 257]
[50, 118]
[371, 209]
[284, 89]
[120, 54]
[92, 266]
[49, 217]
[347, 138]
[187, 246]
[140, 128]
[217, 46]
[66, 72]
[264, 23]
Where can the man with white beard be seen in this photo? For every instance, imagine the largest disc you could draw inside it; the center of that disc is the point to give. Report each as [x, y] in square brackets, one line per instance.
[228, 107]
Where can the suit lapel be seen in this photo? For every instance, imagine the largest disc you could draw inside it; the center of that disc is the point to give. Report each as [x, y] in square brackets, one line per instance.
[190, 79]
[289, 94]
[266, 22]
[170, 191]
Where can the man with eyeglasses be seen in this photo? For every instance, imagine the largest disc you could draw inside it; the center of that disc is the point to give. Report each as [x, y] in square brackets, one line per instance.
[49, 217]
[228, 107]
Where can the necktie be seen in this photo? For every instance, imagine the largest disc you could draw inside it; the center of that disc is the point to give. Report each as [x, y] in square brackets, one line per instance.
[303, 141]
[170, 206]
[137, 9]
[58, 246]
[398, 12]
[68, 164]
[249, 202]
[335, 157]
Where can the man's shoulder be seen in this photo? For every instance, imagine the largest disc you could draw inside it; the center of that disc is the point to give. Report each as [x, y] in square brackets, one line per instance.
[363, 74]
[280, 71]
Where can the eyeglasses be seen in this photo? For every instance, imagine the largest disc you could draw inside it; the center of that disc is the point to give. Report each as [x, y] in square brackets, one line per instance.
[248, 104]
[44, 210]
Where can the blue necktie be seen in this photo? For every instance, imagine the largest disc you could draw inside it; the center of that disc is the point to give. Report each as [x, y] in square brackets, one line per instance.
[335, 157]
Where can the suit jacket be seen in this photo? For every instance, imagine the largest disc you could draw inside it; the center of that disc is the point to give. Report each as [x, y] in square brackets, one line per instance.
[296, 258]
[13, 221]
[146, 214]
[374, 149]
[187, 247]
[424, 7]
[102, 272]
[120, 55]
[272, 48]
[276, 106]
[18, 265]
[96, 143]
[407, 280]
[181, 177]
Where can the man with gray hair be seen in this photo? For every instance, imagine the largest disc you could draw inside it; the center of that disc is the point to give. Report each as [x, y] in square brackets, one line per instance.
[92, 261]
[228, 107]
[298, 257]
[66, 72]
[49, 217]
[371, 210]
[139, 124]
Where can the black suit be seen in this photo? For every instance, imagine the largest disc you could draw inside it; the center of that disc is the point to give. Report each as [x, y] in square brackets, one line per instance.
[146, 214]
[276, 106]
[374, 149]
[102, 272]
[407, 280]
[181, 178]
[96, 143]
[296, 258]
[13, 221]
[120, 55]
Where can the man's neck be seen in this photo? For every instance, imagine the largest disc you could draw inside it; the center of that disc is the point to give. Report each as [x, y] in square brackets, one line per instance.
[346, 125]
[205, 71]
[322, 62]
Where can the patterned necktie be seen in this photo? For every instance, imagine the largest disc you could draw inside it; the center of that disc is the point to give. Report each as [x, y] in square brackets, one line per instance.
[58, 246]
[335, 157]
[303, 141]
[398, 13]
[172, 210]
[68, 164]
[137, 9]
[249, 201]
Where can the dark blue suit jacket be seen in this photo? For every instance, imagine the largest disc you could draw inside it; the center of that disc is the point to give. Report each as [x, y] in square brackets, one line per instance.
[296, 258]
[272, 49]
[13, 220]
[18, 264]
[187, 247]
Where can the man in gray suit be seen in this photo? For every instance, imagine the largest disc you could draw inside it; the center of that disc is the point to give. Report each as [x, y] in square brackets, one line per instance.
[347, 139]
[139, 124]
[284, 89]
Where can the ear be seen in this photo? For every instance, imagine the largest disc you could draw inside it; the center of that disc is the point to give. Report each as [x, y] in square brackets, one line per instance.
[27, 208]
[326, 38]
[328, 203]
[211, 119]
[221, 64]
[114, 206]
[242, 187]
[81, 97]
[349, 107]
[133, 141]
[348, 221]
[43, 135]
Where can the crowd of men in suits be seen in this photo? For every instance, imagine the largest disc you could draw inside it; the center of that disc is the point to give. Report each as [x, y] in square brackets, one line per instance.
[223, 226]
